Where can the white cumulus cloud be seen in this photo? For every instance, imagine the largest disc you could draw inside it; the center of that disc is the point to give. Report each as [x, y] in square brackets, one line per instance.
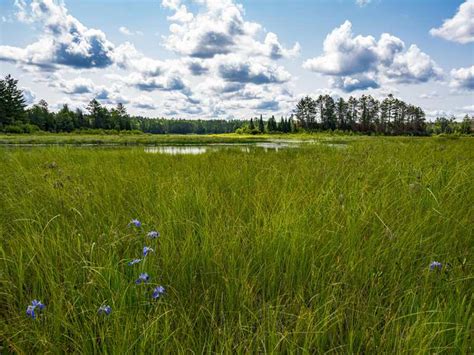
[460, 28]
[361, 62]
[64, 41]
[462, 79]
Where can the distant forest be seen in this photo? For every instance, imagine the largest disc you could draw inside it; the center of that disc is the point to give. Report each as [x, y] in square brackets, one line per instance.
[363, 115]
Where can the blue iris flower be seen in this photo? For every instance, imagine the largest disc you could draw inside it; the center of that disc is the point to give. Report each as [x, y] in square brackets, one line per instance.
[105, 310]
[134, 261]
[153, 234]
[36, 303]
[158, 291]
[435, 265]
[30, 310]
[143, 278]
[147, 250]
[136, 223]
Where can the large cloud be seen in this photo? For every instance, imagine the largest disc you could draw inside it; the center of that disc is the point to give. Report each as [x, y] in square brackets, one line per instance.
[232, 59]
[361, 62]
[233, 56]
[219, 28]
[64, 40]
[460, 28]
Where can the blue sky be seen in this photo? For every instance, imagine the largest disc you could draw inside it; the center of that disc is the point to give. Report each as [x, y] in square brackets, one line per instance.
[230, 58]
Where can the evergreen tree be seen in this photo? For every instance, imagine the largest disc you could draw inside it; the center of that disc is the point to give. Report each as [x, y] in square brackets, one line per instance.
[261, 125]
[341, 114]
[251, 125]
[39, 115]
[82, 120]
[306, 112]
[466, 125]
[118, 117]
[65, 119]
[272, 124]
[328, 118]
[99, 114]
[12, 102]
[352, 113]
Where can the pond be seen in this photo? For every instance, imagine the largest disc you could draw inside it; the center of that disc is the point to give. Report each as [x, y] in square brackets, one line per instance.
[275, 145]
[270, 146]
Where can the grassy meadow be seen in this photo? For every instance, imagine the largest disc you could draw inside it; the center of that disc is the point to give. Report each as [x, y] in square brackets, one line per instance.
[134, 139]
[306, 250]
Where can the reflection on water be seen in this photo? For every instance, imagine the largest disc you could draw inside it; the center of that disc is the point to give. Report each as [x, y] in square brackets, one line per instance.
[272, 146]
[201, 149]
[177, 150]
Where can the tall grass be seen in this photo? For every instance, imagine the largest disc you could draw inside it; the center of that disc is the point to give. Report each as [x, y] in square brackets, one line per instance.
[309, 250]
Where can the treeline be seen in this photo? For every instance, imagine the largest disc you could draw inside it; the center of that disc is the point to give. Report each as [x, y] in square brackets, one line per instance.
[99, 118]
[16, 118]
[364, 115]
[367, 115]
[270, 125]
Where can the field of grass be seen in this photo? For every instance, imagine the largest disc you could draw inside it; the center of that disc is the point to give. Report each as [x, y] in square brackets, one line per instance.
[308, 250]
[151, 139]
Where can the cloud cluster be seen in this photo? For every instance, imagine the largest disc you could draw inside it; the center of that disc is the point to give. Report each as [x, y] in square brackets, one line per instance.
[215, 41]
[218, 28]
[462, 79]
[361, 62]
[65, 43]
[64, 40]
[460, 28]
[225, 65]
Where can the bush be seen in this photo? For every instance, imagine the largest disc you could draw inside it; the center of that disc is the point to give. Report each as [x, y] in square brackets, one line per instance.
[21, 128]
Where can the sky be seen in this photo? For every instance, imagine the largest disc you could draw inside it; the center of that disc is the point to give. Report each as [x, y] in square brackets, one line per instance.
[239, 58]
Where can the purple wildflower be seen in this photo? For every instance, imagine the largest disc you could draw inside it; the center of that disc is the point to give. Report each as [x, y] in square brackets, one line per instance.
[435, 265]
[158, 291]
[136, 223]
[143, 278]
[105, 310]
[36, 303]
[30, 310]
[153, 234]
[134, 261]
[147, 250]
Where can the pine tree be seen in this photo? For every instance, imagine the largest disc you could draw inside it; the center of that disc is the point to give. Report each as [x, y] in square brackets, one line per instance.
[65, 119]
[82, 121]
[12, 102]
[251, 125]
[39, 115]
[261, 125]
[99, 114]
[272, 124]
[352, 112]
[118, 116]
[306, 112]
[466, 125]
[328, 117]
[341, 113]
